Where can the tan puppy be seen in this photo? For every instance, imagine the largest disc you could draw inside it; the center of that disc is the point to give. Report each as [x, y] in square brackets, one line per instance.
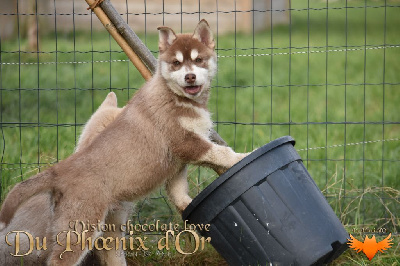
[164, 127]
[104, 115]
[34, 216]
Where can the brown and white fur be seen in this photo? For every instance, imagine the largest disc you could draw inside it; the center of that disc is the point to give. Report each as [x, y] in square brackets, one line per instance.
[164, 127]
[34, 216]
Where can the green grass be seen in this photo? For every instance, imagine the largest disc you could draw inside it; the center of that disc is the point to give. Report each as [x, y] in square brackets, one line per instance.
[320, 98]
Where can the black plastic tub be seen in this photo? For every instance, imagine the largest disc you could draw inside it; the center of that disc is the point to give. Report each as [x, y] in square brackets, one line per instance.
[267, 209]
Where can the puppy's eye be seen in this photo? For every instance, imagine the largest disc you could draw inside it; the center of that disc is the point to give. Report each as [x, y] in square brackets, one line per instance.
[199, 60]
[176, 63]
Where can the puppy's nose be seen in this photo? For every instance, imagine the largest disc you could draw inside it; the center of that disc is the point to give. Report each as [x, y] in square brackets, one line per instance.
[190, 78]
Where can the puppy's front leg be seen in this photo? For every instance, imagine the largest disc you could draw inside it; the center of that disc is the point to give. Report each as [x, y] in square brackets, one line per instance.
[177, 188]
[218, 157]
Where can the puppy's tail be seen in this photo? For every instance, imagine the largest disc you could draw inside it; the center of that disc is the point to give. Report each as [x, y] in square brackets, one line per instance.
[22, 192]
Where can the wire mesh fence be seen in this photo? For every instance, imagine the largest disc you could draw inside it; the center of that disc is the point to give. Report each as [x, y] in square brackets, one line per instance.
[324, 72]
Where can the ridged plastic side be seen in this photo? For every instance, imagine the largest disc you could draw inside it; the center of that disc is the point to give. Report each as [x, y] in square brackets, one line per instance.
[284, 221]
[267, 209]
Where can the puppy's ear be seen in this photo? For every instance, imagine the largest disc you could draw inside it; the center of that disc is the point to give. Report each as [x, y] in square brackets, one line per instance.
[110, 101]
[166, 37]
[204, 34]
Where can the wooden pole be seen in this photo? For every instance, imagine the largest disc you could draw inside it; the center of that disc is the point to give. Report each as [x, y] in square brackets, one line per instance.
[130, 36]
[137, 62]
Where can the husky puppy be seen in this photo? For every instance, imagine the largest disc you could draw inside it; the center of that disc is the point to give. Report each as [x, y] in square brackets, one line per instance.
[165, 126]
[104, 115]
[34, 215]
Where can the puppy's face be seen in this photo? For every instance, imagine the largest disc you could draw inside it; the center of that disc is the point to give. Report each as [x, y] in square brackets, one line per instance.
[188, 62]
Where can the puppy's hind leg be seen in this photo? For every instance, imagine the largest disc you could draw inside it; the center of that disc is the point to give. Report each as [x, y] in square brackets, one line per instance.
[178, 188]
[116, 216]
[73, 244]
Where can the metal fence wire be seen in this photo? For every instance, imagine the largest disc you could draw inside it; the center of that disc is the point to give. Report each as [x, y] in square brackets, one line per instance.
[324, 72]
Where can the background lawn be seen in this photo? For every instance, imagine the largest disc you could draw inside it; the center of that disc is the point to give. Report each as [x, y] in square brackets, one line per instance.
[341, 105]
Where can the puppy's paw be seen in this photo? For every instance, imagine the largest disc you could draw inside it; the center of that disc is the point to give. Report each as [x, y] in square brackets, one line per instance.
[247, 153]
[241, 156]
[183, 203]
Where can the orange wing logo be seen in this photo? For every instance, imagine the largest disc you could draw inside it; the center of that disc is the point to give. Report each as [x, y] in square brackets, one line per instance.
[370, 247]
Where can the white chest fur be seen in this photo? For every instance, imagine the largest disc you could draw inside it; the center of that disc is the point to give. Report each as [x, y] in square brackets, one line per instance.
[200, 125]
